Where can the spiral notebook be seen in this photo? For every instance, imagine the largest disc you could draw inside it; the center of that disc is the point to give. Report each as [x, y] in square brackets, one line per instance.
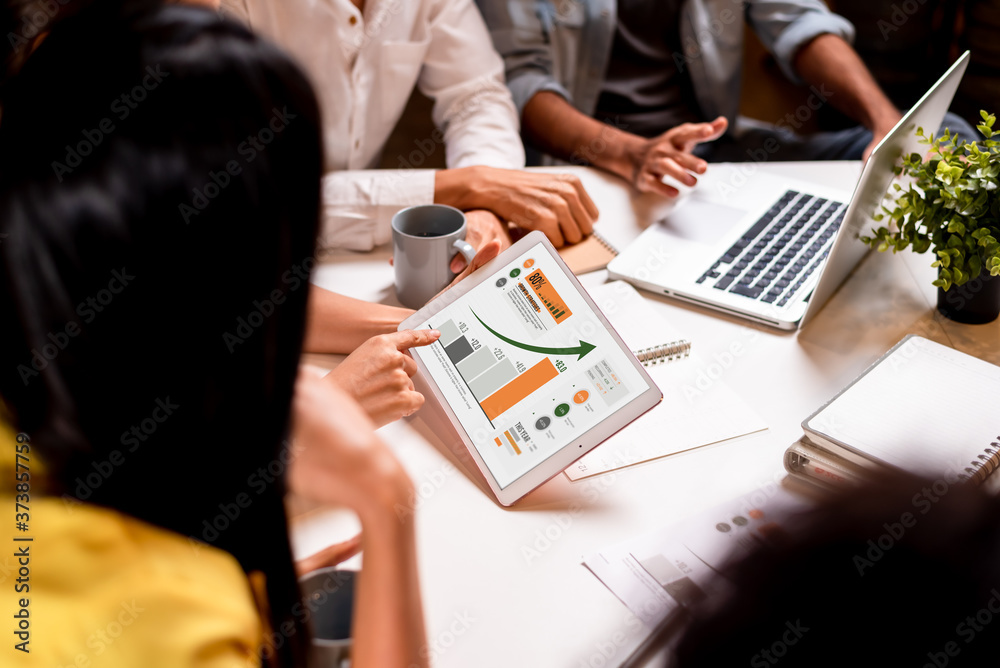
[663, 353]
[922, 407]
[591, 254]
[692, 414]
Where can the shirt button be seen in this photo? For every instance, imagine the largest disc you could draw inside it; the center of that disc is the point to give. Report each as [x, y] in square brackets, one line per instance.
[353, 20]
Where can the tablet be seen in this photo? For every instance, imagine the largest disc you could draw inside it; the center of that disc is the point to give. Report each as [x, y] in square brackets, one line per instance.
[527, 368]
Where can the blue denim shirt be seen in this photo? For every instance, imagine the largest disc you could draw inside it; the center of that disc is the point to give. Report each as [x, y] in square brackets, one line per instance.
[563, 45]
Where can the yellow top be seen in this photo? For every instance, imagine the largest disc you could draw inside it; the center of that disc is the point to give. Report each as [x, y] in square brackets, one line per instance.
[109, 591]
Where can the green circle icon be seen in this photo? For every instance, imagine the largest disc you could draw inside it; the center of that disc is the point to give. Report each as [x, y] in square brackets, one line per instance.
[561, 410]
[514, 273]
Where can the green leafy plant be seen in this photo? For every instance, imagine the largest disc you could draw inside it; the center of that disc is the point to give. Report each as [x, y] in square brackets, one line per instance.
[951, 206]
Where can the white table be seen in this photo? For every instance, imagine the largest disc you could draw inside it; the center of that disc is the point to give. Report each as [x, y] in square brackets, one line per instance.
[504, 587]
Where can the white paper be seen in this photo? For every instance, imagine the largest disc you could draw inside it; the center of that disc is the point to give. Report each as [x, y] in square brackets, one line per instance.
[659, 572]
[691, 415]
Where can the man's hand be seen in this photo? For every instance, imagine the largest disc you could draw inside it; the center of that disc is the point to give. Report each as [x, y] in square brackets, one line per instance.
[485, 254]
[879, 133]
[555, 204]
[378, 375]
[483, 227]
[670, 155]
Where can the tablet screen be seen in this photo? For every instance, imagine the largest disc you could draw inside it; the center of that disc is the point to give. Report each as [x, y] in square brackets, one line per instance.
[526, 364]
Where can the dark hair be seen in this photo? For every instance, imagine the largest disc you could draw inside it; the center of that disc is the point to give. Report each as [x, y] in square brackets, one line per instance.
[886, 575]
[159, 197]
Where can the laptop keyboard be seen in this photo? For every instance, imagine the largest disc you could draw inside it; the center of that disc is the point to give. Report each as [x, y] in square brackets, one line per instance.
[780, 251]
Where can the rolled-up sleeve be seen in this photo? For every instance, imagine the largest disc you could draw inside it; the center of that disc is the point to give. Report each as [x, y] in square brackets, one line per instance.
[519, 36]
[358, 205]
[463, 74]
[785, 27]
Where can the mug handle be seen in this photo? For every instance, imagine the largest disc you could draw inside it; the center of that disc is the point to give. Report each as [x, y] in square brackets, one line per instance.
[465, 248]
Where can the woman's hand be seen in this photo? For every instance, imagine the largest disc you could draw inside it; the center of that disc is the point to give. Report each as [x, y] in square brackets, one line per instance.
[483, 228]
[485, 254]
[330, 556]
[378, 375]
[337, 457]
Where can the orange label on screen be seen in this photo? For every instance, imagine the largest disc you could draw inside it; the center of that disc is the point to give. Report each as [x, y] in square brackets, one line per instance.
[512, 443]
[547, 294]
[519, 388]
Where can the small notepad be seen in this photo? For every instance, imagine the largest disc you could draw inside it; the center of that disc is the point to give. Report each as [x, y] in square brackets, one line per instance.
[922, 407]
[591, 254]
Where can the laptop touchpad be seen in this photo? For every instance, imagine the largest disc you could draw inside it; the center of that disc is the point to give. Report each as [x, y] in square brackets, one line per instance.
[700, 221]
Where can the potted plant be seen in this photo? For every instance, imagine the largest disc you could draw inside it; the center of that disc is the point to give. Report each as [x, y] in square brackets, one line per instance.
[952, 207]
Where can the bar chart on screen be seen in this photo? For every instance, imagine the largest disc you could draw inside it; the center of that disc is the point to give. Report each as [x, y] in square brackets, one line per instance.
[526, 365]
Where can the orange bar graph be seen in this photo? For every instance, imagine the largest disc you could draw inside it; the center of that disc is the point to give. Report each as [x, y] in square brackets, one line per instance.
[547, 293]
[512, 443]
[517, 389]
[499, 442]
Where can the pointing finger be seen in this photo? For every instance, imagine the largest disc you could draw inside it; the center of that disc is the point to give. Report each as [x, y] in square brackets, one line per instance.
[413, 338]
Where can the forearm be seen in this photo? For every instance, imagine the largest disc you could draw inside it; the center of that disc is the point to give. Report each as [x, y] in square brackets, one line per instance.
[555, 126]
[830, 62]
[339, 324]
[485, 131]
[339, 461]
[456, 187]
[469, 188]
[388, 615]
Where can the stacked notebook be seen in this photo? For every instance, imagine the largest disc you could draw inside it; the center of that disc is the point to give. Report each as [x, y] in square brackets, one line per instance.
[922, 407]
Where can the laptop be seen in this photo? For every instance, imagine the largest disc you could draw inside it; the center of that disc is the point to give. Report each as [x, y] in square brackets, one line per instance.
[778, 250]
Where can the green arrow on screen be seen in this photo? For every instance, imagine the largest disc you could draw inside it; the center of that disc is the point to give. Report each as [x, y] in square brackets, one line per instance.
[580, 350]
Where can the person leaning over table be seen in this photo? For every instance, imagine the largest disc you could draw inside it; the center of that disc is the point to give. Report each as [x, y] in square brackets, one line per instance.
[651, 88]
[167, 545]
[365, 58]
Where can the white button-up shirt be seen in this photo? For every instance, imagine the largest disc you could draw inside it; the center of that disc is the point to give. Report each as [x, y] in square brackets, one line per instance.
[364, 67]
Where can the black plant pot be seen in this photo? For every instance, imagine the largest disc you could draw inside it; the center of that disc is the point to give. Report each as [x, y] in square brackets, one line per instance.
[975, 303]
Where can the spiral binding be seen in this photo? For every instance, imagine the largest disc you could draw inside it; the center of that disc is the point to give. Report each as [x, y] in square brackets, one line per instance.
[665, 352]
[604, 242]
[988, 462]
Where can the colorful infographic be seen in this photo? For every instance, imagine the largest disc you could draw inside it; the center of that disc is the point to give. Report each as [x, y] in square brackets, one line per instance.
[526, 365]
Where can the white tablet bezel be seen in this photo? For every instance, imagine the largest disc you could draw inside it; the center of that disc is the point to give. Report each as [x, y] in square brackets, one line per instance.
[558, 462]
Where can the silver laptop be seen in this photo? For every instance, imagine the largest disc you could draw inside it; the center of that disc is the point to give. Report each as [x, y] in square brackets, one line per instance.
[777, 251]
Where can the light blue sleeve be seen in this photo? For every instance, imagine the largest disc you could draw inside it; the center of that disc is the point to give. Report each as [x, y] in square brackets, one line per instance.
[785, 26]
[521, 38]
